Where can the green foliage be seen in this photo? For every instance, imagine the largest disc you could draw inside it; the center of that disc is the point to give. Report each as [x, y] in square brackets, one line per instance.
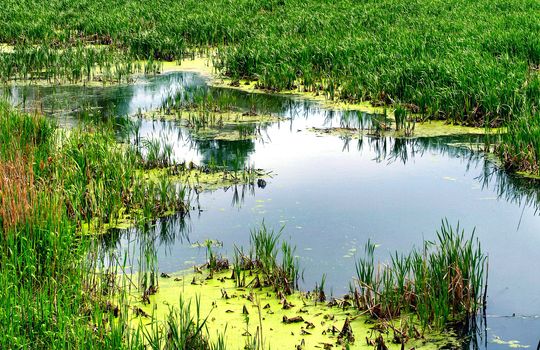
[432, 55]
[519, 148]
[441, 283]
[53, 292]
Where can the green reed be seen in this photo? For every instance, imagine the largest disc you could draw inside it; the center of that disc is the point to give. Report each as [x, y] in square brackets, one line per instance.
[264, 257]
[439, 284]
[54, 288]
[519, 148]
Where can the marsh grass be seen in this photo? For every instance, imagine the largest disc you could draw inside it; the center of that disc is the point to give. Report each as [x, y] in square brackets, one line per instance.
[54, 290]
[262, 261]
[439, 284]
[404, 122]
[265, 244]
[519, 148]
[390, 52]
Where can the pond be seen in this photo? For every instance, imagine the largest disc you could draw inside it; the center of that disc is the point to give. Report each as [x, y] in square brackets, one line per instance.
[334, 193]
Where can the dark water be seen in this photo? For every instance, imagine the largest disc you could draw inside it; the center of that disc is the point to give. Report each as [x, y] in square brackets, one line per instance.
[332, 194]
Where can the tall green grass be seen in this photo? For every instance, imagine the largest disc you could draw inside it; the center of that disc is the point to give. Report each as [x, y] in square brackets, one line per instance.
[432, 56]
[54, 293]
[519, 149]
[441, 283]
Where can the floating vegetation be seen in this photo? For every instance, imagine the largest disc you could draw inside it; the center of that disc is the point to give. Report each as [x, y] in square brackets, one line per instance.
[398, 125]
[297, 320]
[204, 178]
[418, 300]
[215, 114]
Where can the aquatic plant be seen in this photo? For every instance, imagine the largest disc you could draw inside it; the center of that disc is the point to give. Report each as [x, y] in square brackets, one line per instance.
[519, 147]
[403, 121]
[439, 284]
[54, 291]
[263, 261]
[181, 330]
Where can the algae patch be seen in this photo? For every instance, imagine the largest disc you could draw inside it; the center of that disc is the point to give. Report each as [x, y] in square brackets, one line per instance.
[286, 322]
[514, 344]
[211, 125]
[422, 129]
[202, 178]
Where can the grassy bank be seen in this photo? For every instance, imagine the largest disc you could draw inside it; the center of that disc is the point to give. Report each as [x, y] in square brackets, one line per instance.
[470, 61]
[54, 293]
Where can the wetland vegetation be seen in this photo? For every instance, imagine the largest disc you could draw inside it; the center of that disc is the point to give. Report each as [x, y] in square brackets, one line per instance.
[473, 63]
[88, 207]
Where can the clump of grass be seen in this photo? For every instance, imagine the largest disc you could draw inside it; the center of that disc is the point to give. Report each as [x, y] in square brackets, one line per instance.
[158, 154]
[403, 121]
[263, 258]
[320, 296]
[264, 242]
[49, 186]
[439, 284]
[184, 328]
[519, 147]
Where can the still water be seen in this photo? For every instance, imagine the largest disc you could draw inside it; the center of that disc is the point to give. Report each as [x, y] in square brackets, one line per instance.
[332, 194]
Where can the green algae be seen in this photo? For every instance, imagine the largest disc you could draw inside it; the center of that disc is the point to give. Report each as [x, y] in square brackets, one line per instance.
[215, 125]
[203, 179]
[121, 221]
[434, 128]
[513, 344]
[286, 322]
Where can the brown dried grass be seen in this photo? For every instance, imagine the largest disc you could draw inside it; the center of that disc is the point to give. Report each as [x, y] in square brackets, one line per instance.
[17, 192]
